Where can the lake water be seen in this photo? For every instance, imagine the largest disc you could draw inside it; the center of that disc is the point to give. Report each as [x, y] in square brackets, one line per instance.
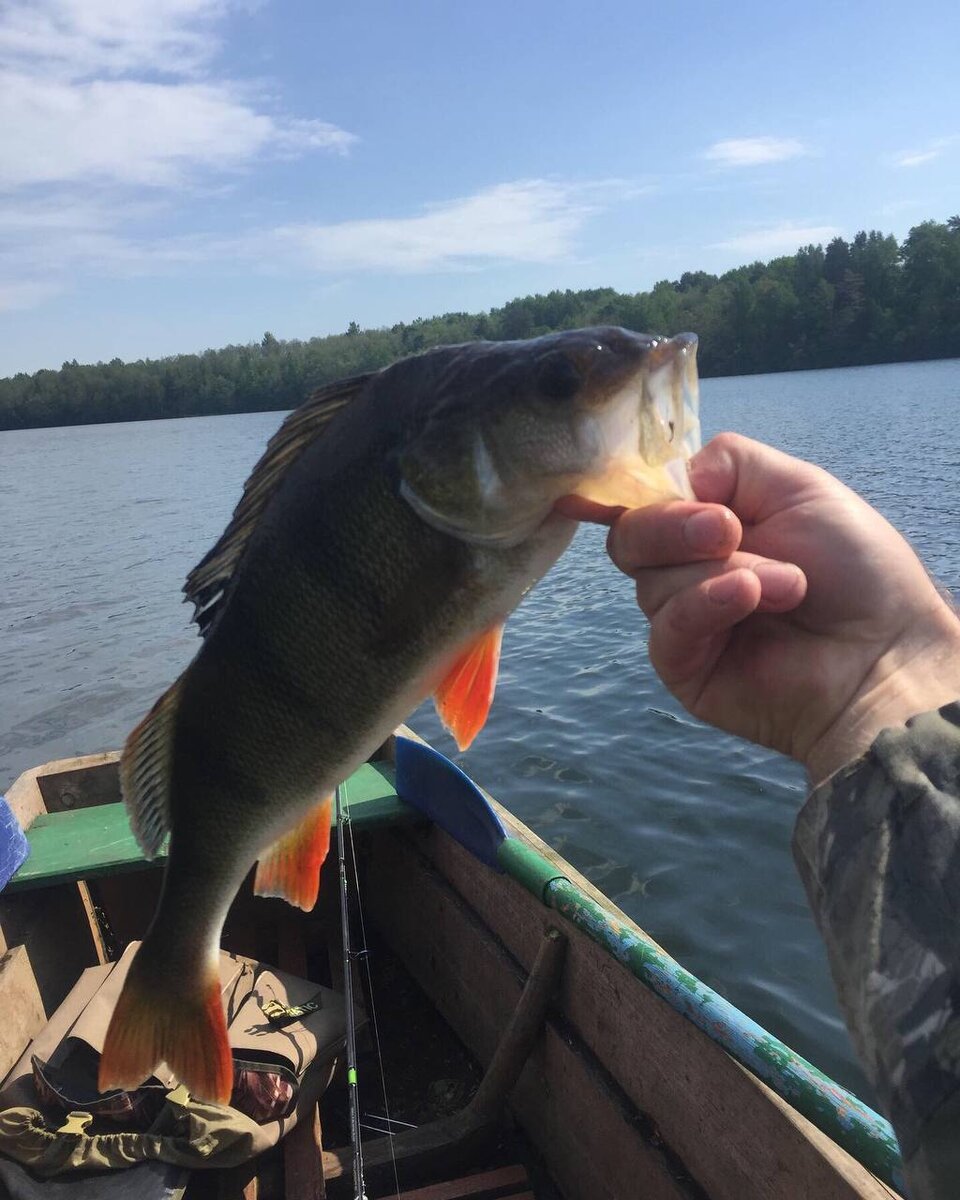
[686, 829]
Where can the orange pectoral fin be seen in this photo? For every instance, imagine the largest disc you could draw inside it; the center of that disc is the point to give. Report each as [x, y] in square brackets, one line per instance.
[464, 697]
[290, 868]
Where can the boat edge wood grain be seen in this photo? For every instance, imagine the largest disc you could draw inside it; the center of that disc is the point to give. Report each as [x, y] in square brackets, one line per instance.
[696, 1096]
[588, 1136]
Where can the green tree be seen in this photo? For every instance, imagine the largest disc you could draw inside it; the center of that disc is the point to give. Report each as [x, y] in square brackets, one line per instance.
[867, 300]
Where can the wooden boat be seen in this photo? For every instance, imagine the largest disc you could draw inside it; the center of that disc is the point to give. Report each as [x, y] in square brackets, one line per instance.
[537, 1042]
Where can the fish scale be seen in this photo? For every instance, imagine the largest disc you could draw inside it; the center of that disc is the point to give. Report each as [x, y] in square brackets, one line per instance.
[390, 528]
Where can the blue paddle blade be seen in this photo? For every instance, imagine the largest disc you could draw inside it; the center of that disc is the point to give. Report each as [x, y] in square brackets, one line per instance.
[435, 786]
[14, 847]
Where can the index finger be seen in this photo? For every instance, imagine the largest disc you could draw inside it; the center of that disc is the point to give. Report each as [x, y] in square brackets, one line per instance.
[665, 535]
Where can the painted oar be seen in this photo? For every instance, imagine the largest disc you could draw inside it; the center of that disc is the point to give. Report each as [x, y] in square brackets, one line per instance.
[431, 783]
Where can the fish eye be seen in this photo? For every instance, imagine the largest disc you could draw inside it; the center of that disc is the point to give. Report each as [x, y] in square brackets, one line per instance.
[558, 377]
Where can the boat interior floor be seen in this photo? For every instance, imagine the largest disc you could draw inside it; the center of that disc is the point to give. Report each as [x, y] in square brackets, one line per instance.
[412, 1072]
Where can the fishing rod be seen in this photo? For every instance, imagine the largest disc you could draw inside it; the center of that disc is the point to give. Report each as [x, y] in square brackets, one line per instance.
[359, 1189]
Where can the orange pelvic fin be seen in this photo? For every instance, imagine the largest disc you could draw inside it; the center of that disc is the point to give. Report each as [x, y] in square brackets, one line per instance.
[290, 868]
[172, 1023]
[464, 697]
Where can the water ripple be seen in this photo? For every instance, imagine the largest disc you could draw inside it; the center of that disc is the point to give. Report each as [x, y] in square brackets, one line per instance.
[686, 829]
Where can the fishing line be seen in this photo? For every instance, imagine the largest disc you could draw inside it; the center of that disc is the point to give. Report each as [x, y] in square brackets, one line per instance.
[359, 1190]
[373, 1010]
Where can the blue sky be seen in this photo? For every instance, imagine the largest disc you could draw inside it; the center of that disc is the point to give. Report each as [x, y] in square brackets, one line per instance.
[178, 174]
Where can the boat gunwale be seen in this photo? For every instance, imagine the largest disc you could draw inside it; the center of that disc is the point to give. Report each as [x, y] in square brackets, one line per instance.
[559, 887]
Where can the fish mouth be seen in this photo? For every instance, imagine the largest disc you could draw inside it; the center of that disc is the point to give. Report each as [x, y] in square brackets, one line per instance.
[645, 435]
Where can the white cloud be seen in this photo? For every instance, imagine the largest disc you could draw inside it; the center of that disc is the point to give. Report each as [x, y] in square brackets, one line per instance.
[79, 98]
[138, 133]
[754, 151]
[77, 38]
[69, 234]
[530, 221]
[22, 294]
[779, 239]
[918, 157]
[522, 221]
[114, 112]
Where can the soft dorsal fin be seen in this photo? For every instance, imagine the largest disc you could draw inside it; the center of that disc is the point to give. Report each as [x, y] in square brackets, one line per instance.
[145, 772]
[207, 583]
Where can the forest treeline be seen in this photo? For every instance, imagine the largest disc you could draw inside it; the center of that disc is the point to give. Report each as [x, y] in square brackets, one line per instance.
[869, 300]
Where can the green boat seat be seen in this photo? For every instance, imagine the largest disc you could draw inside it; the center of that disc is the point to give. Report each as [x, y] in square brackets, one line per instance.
[85, 843]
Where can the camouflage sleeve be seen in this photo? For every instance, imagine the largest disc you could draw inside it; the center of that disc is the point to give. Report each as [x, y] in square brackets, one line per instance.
[878, 847]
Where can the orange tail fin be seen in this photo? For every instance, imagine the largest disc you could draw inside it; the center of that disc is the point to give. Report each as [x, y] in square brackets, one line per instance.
[464, 697]
[290, 868]
[167, 1021]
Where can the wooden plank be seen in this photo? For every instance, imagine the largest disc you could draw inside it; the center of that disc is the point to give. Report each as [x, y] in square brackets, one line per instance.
[292, 953]
[237, 1183]
[82, 785]
[516, 828]
[471, 1186]
[21, 1005]
[25, 798]
[89, 842]
[591, 1140]
[93, 923]
[28, 794]
[127, 902]
[54, 927]
[302, 1160]
[734, 1134]
[82, 843]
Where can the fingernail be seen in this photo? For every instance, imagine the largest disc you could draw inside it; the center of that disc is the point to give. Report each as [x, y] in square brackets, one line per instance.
[723, 589]
[778, 580]
[707, 530]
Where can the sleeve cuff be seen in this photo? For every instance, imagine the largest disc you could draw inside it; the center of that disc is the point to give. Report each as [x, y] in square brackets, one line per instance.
[878, 848]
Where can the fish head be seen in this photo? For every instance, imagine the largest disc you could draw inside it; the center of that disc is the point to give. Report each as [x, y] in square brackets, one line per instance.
[505, 429]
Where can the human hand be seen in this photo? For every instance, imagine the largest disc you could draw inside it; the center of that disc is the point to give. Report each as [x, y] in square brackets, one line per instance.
[784, 609]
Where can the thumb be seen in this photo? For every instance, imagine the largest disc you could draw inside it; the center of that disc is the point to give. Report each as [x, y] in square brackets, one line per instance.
[749, 477]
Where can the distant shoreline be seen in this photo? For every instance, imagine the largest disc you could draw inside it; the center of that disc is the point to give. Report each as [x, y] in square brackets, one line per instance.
[868, 302]
[89, 424]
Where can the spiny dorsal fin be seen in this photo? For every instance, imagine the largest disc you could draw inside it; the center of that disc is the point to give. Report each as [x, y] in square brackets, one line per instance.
[145, 772]
[208, 581]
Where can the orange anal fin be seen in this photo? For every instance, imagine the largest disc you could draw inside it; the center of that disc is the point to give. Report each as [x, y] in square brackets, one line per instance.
[290, 868]
[464, 697]
[173, 1023]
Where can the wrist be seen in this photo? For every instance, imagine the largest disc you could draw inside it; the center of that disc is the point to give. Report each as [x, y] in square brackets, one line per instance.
[920, 673]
